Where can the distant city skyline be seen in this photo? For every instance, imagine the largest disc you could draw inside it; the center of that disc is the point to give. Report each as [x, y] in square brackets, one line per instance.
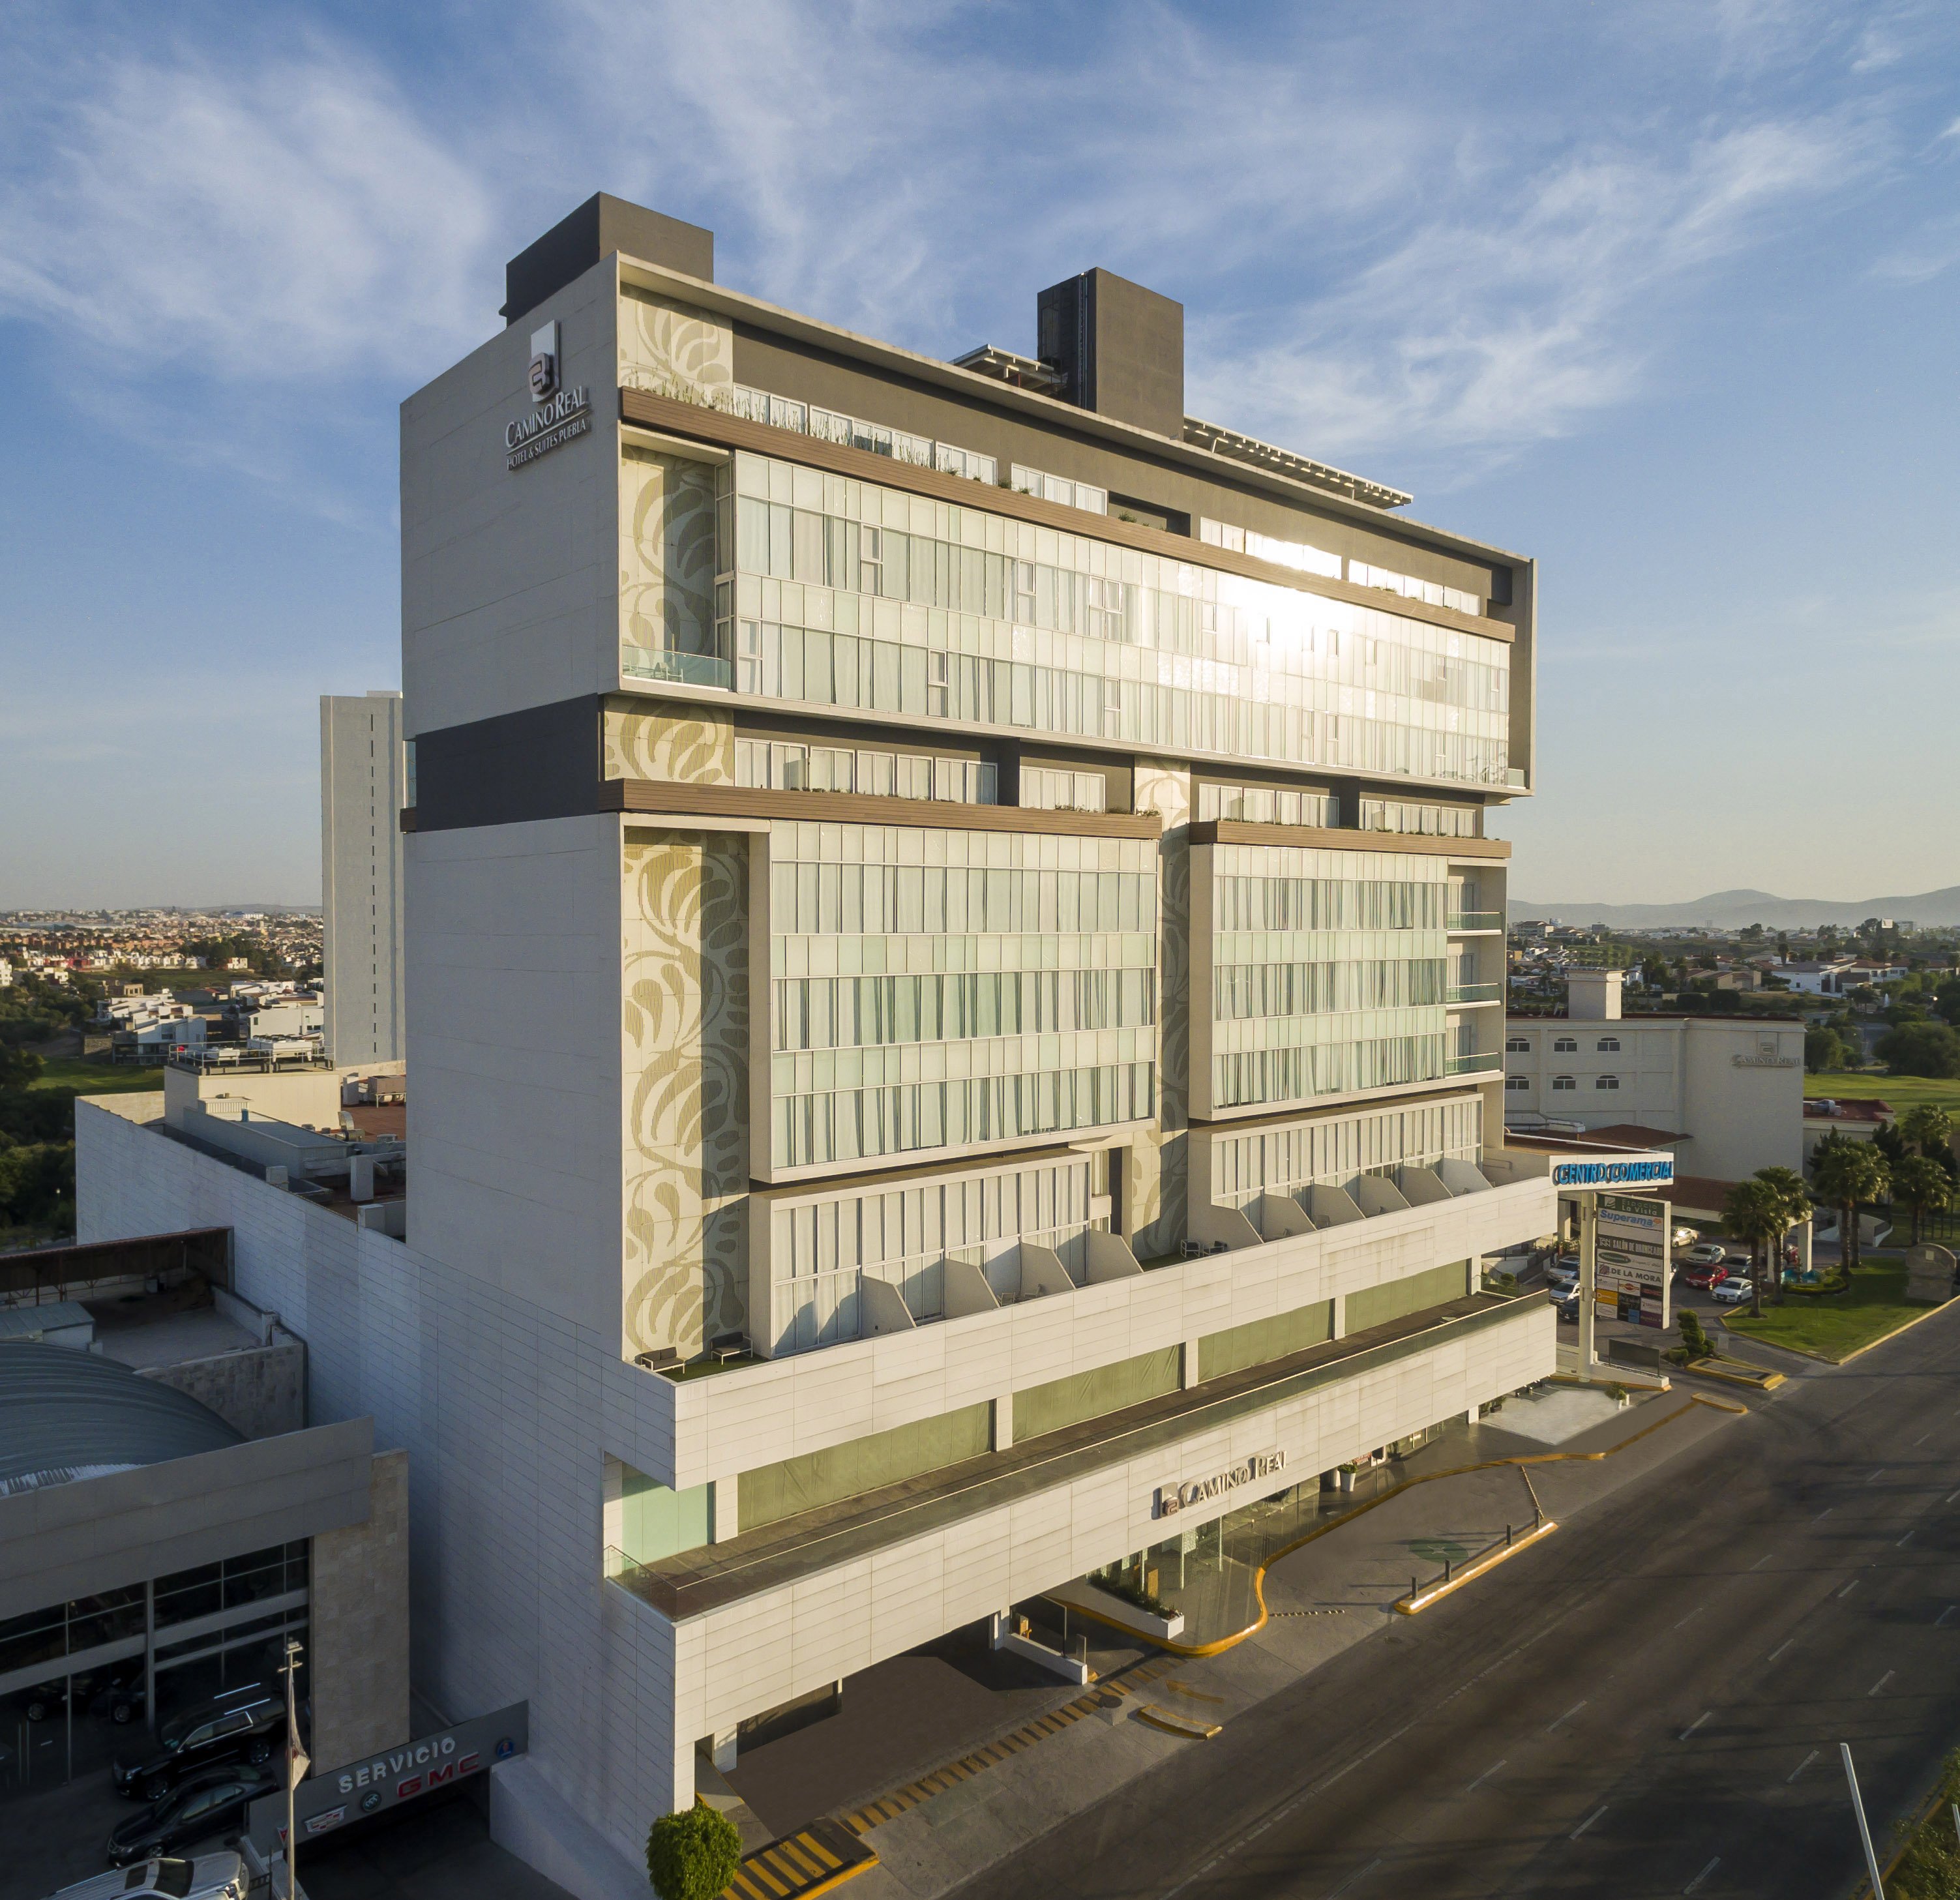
[1659, 298]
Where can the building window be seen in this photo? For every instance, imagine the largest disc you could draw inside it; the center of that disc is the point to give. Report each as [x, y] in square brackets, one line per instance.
[1561, 1082]
[1517, 1081]
[1605, 1081]
[1609, 1046]
[1517, 1045]
[1566, 1045]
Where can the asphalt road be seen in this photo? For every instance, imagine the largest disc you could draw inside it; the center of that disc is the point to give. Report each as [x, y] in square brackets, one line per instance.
[1649, 1703]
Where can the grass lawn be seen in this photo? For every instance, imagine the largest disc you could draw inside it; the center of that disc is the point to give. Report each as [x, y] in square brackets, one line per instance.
[1902, 1091]
[97, 1075]
[1834, 1326]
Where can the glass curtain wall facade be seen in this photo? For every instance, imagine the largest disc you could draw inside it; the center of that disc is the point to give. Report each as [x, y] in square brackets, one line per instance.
[842, 593]
[953, 989]
[1328, 971]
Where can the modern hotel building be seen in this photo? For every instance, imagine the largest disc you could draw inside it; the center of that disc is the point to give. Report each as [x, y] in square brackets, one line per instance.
[955, 979]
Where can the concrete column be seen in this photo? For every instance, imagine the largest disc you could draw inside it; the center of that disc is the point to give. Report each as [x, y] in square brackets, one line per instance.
[1808, 1232]
[1004, 1422]
[723, 1750]
[1339, 1316]
[724, 1507]
[1188, 1364]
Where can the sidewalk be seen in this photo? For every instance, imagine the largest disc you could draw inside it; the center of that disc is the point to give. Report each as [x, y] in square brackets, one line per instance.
[1332, 1592]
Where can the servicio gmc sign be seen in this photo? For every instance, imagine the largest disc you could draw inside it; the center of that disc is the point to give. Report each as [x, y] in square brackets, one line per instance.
[329, 1800]
[1649, 1171]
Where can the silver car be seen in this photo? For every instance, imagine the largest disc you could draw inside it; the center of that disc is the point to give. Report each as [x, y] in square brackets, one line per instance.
[211, 1876]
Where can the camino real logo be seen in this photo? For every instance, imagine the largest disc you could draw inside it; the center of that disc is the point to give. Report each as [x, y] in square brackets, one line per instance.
[561, 413]
[1173, 1498]
[544, 362]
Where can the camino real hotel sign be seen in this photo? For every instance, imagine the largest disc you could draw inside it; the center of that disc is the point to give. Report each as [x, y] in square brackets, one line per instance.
[561, 413]
[1172, 1498]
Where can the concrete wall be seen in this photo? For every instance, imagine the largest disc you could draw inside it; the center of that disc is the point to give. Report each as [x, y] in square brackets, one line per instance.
[1734, 1087]
[260, 1391]
[360, 1623]
[93, 1534]
[514, 988]
[510, 577]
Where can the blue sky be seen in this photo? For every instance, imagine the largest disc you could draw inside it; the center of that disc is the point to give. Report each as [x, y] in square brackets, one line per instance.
[1662, 294]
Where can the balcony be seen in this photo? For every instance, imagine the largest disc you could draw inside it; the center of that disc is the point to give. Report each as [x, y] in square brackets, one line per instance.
[1484, 1062]
[687, 669]
[1470, 920]
[1473, 993]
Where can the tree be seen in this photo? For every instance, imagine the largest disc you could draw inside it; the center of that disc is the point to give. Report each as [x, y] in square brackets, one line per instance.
[692, 1855]
[1924, 1186]
[1754, 1212]
[1930, 1128]
[1849, 1174]
[1824, 1051]
[18, 1069]
[1696, 1342]
[1789, 1188]
[1921, 1048]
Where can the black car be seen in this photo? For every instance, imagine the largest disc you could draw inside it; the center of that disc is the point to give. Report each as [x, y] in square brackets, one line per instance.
[202, 1804]
[247, 1725]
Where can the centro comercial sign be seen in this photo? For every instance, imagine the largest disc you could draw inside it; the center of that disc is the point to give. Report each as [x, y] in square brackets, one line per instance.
[1649, 1171]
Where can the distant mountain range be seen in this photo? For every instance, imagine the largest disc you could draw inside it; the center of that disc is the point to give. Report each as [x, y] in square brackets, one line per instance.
[1733, 909]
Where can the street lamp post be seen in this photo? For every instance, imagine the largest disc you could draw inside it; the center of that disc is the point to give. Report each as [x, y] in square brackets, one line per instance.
[1864, 1830]
[297, 1762]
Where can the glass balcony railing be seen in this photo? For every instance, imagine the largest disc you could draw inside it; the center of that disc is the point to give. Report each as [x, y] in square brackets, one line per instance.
[689, 669]
[1484, 1060]
[1473, 992]
[1474, 920]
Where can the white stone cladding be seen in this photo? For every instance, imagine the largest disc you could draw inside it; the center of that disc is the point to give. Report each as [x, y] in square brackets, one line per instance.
[508, 1409]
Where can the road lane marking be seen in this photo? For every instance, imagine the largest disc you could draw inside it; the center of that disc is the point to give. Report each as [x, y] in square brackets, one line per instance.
[1689, 1618]
[1848, 1588]
[1696, 1723]
[1482, 1778]
[1800, 1768]
[1779, 1648]
[1902, 1541]
[1921, 1440]
[1585, 1824]
[1567, 1717]
[1762, 1560]
[1939, 1621]
[1824, 1513]
[1951, 1495]
[1703, 1875]
[1360, 1874]
[1876, 1475]
[1881, 1681]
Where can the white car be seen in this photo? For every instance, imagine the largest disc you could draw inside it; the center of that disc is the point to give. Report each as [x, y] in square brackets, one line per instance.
[211, 1876]
[1709, 1253]
[1731, 1292]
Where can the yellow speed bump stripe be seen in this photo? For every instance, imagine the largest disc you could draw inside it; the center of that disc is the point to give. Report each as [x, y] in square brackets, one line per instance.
[1108, 1693]
[1421, 1599]
[811, 1861]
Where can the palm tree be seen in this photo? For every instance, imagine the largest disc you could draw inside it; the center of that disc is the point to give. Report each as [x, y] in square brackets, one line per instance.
[1754, 1212]
[1848, 1177]
[1930, 1128]
[1924, 1186]
[1796, 1209]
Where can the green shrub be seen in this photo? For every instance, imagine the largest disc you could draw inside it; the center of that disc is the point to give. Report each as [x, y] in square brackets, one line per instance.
[1697, 1343]
[692, 1855]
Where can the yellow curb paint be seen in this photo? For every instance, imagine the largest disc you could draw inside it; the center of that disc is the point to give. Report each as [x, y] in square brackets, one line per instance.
[1414, 1605]
[1763, 1379]
[1689, 1402]
[1190, 1729]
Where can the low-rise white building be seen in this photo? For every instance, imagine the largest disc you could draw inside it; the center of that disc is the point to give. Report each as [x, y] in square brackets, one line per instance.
[1725, 1092]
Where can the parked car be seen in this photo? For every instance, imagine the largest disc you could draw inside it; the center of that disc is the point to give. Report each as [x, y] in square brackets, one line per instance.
[120, 1694]
[201, 1804]
[1567, 1310]
[243, 1724]
[1562, 1276]
[1733, 1291]
[1708, 1275]
[211, 1876]
[1707, 1253]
